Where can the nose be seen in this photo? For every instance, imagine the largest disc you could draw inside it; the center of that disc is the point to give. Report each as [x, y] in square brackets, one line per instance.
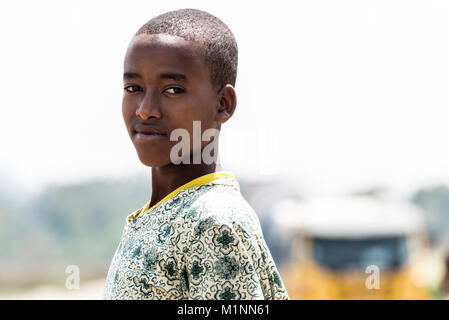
[149, 106]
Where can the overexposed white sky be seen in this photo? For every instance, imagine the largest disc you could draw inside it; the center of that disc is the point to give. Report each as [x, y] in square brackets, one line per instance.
[337, 95]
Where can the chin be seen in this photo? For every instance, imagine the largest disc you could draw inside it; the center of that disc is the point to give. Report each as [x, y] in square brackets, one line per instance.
[151, 161]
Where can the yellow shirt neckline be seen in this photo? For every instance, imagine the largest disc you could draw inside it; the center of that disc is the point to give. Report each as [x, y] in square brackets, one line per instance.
[193, 183]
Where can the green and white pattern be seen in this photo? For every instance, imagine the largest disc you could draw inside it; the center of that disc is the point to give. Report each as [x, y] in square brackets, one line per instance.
[203, 243]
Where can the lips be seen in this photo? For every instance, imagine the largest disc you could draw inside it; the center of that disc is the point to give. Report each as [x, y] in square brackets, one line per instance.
[148, 133]
[148, 130]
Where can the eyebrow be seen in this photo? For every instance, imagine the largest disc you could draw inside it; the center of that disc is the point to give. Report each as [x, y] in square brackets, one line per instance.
[173, 76]
[131, 75]
[167, 75]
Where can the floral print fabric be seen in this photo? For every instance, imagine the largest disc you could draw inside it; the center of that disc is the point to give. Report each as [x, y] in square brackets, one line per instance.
[204, 243]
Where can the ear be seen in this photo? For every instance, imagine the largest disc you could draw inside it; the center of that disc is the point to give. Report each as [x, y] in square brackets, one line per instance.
[227, 101]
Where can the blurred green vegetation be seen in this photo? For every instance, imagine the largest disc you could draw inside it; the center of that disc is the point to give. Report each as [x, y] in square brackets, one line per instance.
[435, 202]
[78, 224]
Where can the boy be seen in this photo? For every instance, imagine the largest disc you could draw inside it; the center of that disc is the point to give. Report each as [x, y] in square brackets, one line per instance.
[197, 238]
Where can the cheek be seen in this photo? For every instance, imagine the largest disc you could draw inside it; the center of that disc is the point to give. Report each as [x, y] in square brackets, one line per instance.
[128, 111]
[184, 117]
[201, 108]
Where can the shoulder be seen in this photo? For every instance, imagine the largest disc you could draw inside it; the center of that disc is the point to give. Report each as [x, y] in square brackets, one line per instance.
[223, 210]
[221, 203]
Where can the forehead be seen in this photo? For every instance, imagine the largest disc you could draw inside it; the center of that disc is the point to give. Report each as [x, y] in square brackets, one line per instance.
[152, 54]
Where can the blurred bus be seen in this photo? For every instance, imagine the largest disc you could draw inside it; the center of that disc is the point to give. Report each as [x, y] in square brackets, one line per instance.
[354, 248]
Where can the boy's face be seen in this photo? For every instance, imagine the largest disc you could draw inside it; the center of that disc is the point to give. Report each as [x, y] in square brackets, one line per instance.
[166, 86]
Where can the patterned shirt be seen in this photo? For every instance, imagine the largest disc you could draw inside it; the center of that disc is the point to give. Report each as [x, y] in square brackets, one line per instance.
[203, 241]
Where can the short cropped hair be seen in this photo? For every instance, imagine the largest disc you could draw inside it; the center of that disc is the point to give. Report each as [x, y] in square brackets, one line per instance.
[220, 46]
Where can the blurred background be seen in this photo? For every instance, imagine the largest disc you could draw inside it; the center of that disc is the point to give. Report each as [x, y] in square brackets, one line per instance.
[338, 142]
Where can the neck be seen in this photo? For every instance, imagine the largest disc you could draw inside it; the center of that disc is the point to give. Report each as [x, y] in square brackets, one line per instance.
[168, 178]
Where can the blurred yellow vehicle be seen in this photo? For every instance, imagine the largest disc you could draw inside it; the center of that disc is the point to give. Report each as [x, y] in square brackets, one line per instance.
[355, 248]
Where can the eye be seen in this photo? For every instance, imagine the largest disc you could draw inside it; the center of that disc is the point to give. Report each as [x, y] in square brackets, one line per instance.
[174, 90]
[133, 88]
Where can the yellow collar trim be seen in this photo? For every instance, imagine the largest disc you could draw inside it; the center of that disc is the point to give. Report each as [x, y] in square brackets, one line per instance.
[193, 183]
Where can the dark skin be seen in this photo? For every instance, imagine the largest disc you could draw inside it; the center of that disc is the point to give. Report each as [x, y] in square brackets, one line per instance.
[167, 85]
